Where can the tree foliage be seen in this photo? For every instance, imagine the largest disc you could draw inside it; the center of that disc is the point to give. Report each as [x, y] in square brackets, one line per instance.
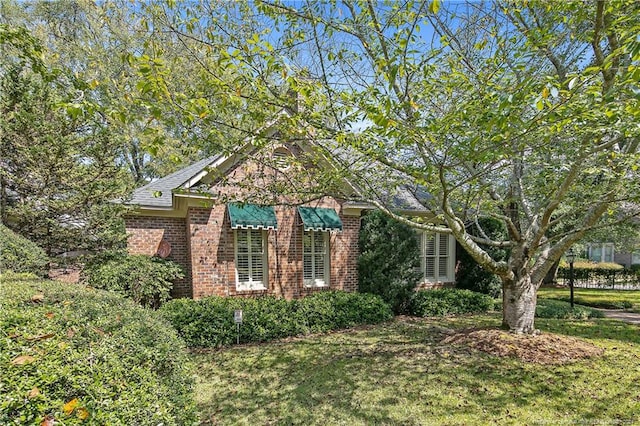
[58, 165]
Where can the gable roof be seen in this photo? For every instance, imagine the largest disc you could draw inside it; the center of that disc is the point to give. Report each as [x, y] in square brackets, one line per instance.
[159, 193]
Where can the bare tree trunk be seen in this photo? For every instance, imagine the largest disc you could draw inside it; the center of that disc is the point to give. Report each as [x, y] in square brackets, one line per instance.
[551, 277]
[518, 305]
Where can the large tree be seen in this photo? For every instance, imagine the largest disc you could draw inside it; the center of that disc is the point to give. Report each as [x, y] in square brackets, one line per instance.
[58, 173]
[526, 112]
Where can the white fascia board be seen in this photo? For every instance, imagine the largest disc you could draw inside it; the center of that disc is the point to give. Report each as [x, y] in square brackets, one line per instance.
[194, 180]
[222, 159]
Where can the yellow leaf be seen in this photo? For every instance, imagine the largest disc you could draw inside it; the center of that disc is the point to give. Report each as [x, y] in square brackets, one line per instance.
[434, 7]
[545, 93]
[82, 413]
[37, 298]
[23, 359]
[49, 315]
[70, 406]
[33, 393]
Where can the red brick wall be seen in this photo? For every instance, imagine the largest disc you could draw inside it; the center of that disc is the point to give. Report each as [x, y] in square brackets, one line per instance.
[212, 260]
[144, 236]
[211, 243]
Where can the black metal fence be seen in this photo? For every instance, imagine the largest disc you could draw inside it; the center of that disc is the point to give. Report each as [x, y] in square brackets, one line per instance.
[624, 279]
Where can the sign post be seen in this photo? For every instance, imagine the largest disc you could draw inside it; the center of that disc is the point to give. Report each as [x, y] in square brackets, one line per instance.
[237, 318]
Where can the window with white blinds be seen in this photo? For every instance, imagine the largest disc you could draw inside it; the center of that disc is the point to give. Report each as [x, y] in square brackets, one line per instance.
[251, 259]
[315, 254]
[438, 252]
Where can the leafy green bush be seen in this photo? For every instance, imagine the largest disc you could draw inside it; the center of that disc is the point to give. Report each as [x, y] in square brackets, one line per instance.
[469, 274]
[145, 279]
[603, 304]
[431, 303]
[208, 322]
[85, 356]
[556, 309]
[18, 254]
[334, 310]
[389, 260]
[596, 272]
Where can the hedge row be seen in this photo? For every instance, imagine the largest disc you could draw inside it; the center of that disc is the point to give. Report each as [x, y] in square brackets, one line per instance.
[209, 322]
[72, 355]
[601, 273]
[430, 303]
[556, 309]
[18, 254]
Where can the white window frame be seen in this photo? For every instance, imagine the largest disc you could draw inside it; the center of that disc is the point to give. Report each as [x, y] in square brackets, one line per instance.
[449, 276]
[314, 281]
[251, 284]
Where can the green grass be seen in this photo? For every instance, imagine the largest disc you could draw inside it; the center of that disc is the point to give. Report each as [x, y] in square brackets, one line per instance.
[610, 299]
[400, 373]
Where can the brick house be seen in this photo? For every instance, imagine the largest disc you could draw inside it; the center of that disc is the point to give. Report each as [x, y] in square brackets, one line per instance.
[239, 225]
[255, 222]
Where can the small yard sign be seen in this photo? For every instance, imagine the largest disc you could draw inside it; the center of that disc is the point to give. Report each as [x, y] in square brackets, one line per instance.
[237, 318]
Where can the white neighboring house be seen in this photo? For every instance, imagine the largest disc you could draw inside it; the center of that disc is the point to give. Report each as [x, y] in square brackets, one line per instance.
[601, 252]
[606, 252]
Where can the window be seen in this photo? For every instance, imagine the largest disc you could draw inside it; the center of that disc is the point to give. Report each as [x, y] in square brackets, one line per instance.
[251, 259]
[601, 252]
[315, 250]
[608, 253]
[635, 258]
[438, 252]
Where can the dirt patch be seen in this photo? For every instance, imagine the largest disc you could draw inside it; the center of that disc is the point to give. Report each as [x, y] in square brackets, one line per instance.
[67, 275]
[540, 349]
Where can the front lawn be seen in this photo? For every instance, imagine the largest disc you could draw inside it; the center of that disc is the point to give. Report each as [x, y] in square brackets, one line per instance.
[605, 298]
[402, 373]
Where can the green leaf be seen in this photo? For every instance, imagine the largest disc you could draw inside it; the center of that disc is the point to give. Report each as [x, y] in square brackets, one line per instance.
[539, 104]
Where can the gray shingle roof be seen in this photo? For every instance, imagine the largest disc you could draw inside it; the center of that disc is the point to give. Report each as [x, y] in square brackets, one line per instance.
[159, 193]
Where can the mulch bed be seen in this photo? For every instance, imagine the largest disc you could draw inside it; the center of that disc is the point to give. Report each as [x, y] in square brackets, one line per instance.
[544, 348]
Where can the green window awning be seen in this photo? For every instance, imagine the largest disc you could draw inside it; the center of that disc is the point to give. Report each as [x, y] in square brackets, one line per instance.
[252, 216]
[320, 219]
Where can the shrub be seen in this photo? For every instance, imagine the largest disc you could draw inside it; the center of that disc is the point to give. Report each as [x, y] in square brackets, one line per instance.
[85, 356]
[146, 280]
[469, 274]
[600, 272]
[389, 260]
[334, 310]
[18, 254]
[208, 322]
[430, 303]
[556, 309]
[603, 304]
